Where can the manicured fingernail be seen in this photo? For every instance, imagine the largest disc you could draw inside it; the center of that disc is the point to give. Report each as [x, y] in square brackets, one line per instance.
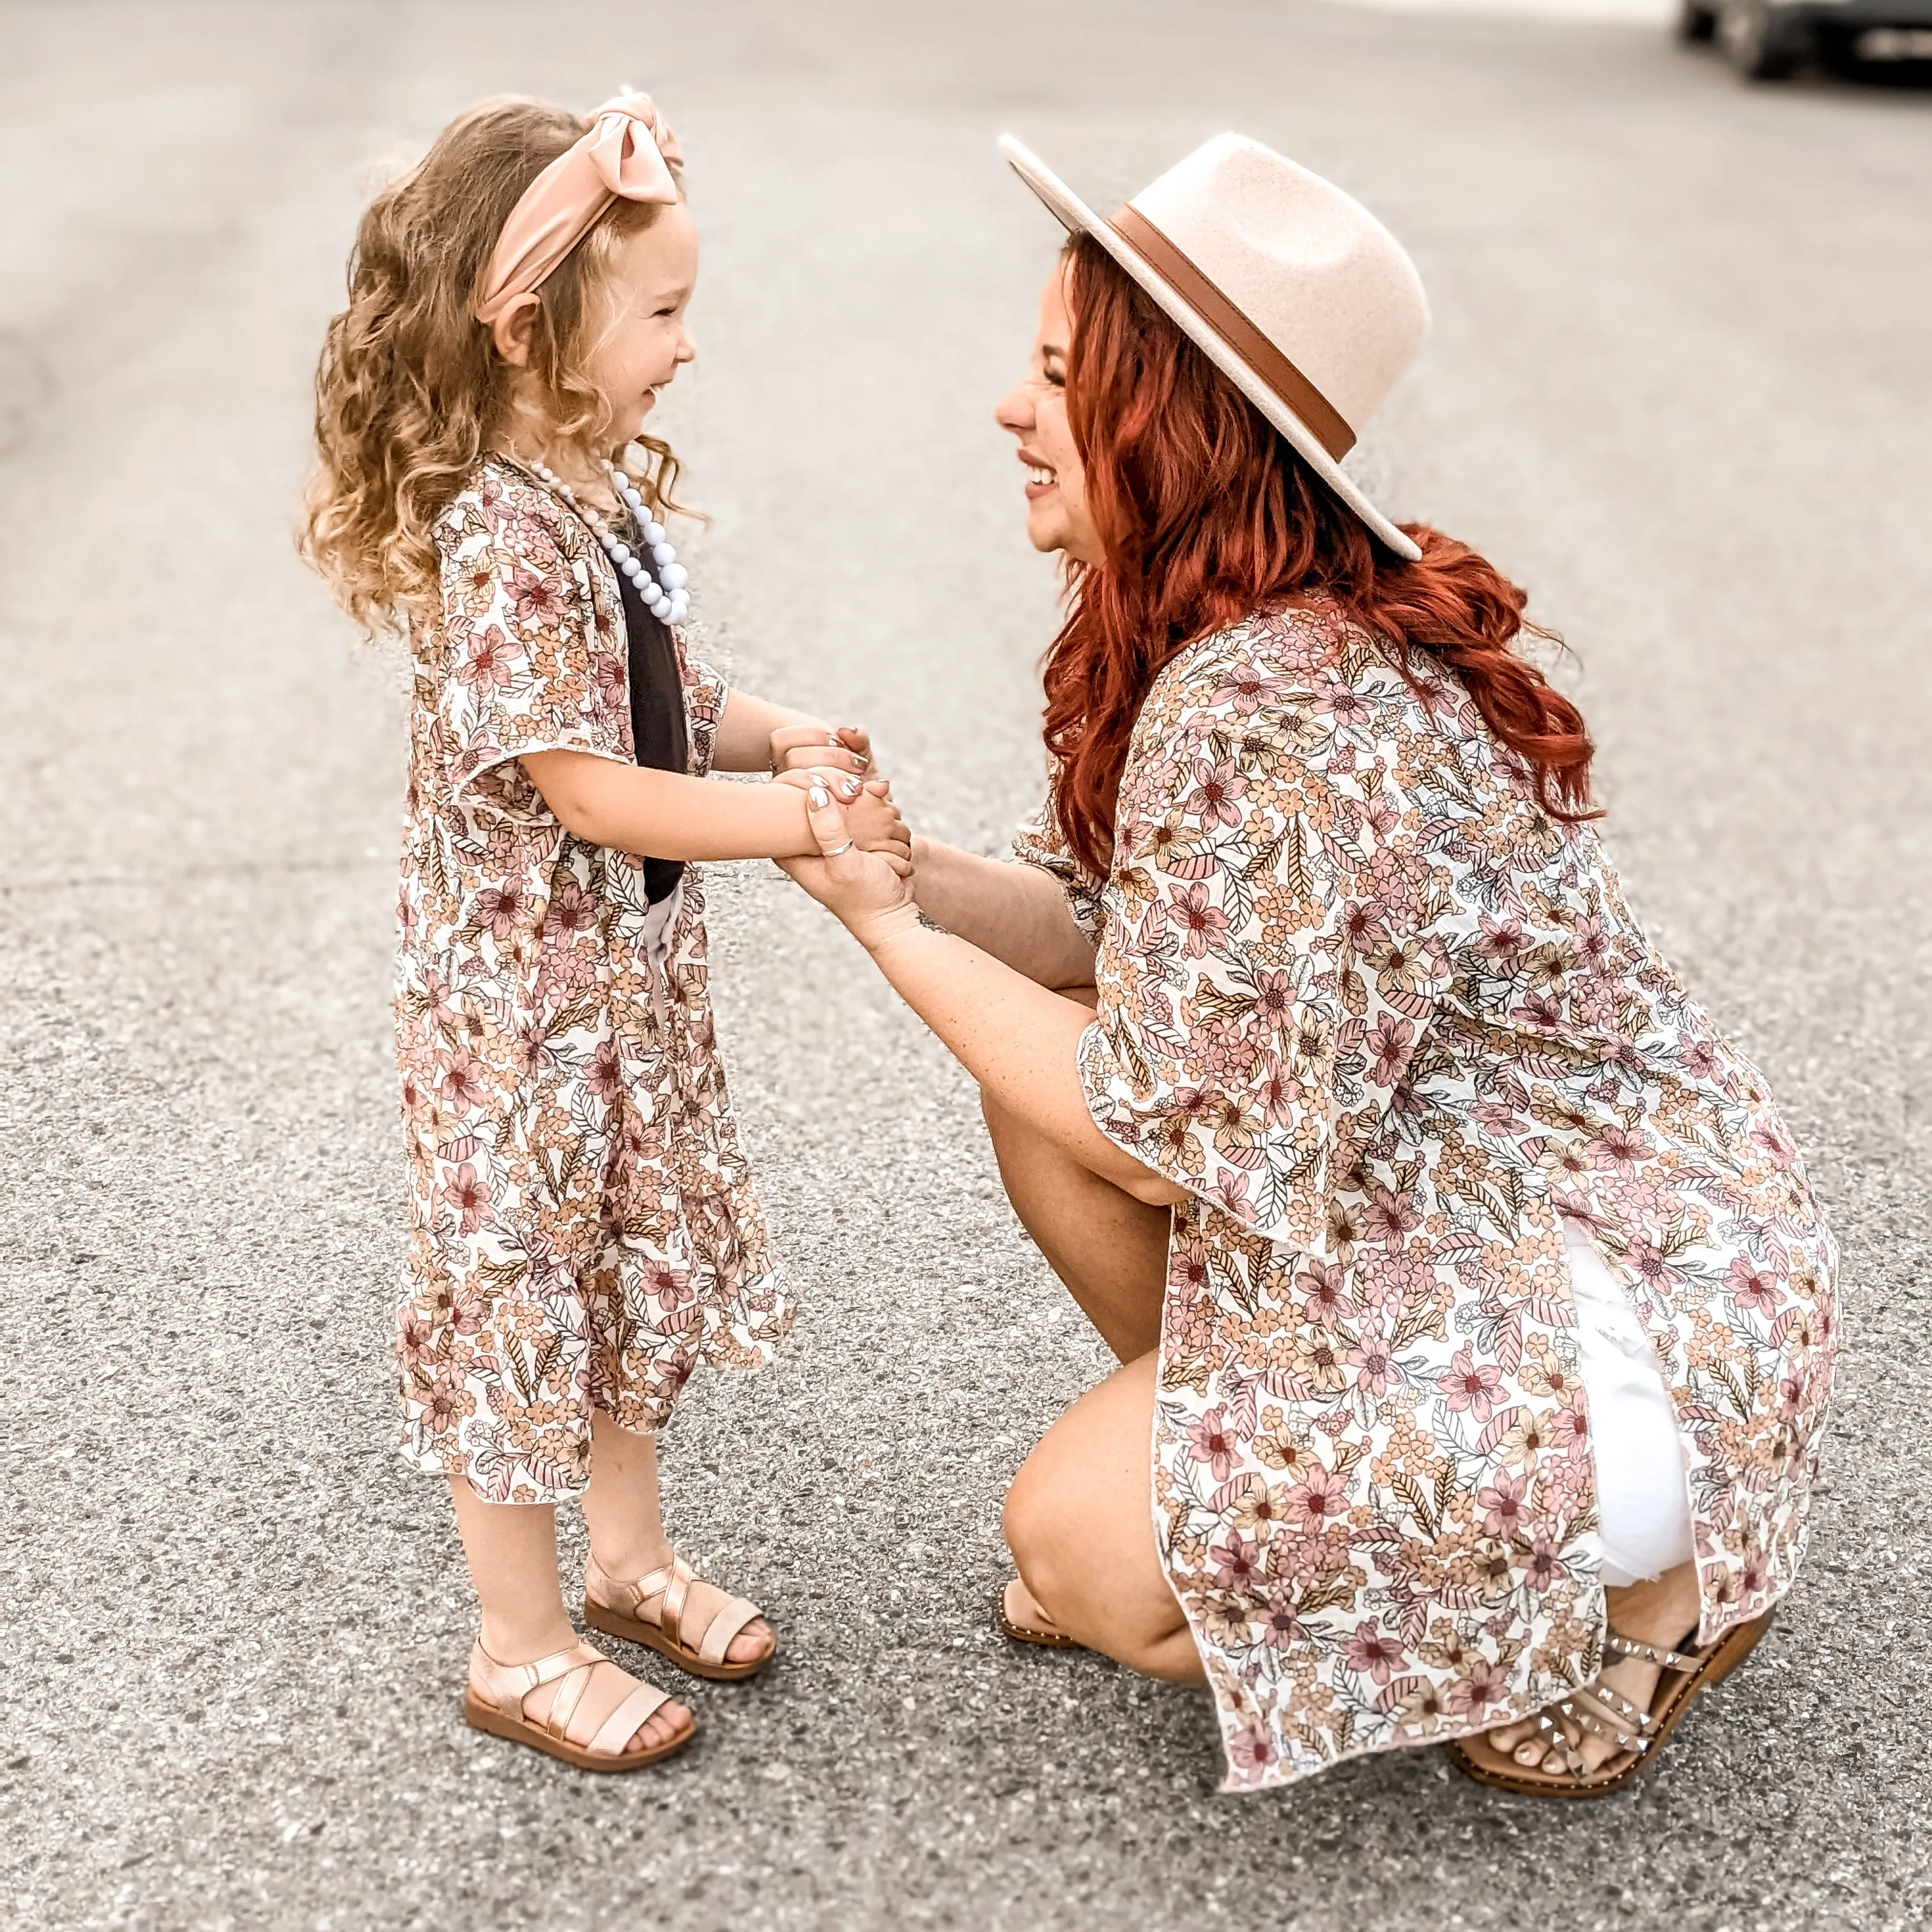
[849, 786]
[820, 798]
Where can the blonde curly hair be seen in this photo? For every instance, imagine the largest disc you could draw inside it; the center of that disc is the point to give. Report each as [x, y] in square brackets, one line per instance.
[411, 393]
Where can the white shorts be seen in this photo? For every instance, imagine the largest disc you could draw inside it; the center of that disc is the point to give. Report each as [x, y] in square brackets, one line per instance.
[1642, 1497]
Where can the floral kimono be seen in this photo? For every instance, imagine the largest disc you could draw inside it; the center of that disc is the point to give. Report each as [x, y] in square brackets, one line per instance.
[1386, 1021]
[583, 1232]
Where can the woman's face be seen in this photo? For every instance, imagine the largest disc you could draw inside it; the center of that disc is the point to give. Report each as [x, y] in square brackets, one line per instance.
[1035, 411]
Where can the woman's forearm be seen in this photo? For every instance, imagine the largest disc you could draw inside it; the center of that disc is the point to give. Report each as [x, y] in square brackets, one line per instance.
[1019, 1039]
[667, 815]
[1015, 912]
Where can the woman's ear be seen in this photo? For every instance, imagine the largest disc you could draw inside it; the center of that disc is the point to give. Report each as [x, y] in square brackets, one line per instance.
[511, 332]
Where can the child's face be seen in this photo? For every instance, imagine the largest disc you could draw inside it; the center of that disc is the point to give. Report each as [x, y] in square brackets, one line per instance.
[652, 277]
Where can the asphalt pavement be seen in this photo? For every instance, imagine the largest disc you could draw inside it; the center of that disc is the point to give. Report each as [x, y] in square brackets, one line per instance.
[1678, 386]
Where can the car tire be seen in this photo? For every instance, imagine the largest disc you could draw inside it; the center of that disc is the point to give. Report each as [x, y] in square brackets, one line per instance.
[1758, 43]
[1696, 19]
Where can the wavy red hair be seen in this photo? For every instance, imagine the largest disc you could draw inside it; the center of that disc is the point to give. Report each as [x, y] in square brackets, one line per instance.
[1207, 513]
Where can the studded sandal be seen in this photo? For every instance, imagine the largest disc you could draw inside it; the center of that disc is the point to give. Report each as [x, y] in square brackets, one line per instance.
[1635, 1734]
[616, 1607]
[1043, 1636]
[558, 1734]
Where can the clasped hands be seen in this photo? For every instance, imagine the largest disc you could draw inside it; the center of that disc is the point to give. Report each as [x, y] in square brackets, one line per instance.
[864, 873]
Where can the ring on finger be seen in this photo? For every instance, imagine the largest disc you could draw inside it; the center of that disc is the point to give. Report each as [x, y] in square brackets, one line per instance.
[832, 851]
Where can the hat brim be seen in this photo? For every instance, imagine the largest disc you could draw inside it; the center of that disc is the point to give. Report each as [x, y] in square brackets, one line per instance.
[1076, 217]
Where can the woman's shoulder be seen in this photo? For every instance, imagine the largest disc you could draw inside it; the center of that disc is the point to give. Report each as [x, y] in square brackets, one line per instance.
[1271, 663]
[500, 507]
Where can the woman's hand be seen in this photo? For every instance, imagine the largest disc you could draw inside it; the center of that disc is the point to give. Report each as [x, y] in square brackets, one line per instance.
[870, 891]
[802, 747]
[872, 821]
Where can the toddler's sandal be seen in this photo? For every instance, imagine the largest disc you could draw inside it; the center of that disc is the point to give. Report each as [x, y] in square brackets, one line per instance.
[615, 1606]
[502, 1715]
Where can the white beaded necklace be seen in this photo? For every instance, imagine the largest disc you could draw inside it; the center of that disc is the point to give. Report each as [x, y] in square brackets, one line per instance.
[664, 591]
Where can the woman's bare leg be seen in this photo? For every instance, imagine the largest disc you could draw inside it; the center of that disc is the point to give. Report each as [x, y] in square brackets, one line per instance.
[1109, 1248]
[621, 1512]
[512, 1552]
[1079, 1522]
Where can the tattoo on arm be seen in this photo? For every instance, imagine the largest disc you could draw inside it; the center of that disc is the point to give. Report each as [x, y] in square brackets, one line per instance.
[932, 924]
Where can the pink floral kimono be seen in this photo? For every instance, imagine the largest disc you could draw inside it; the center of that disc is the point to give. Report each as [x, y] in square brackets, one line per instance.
[1385, 1021]
[583, 1232]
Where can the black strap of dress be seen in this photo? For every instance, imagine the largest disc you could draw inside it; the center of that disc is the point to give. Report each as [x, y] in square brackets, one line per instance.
[659, 735]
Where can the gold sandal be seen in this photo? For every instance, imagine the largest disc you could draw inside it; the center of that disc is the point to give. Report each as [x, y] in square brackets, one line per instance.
[1605, 1713]
[615, 1606]
[509, 1683]
[1033, 1634]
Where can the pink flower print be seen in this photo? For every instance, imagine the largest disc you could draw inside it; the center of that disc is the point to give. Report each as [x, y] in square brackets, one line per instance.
[1622, 1149]
[1390, 1217]
[1543, 1011]
[1484, 1684]
[1205, 925]
[572, 909]
[1375, 1367]
[414, 1339]
[1590, 943]
[1251, 1751]
[1471, 1385]
[1237, 1561]
[1217, 789]
[1319, 1498]
[1373, 1651]
[1209, 1441]
[604, 1075]
[461, 1077]
[1503, 940]
[1243, 689]
[1364, 925]
[1187, 1268]
[467, 1195]
[499, 908]
[1544, 1565]
[1230, 1193]
[1323, 1288]
[1389, 1040]
[1275, 996]
[1775, 1142]
[669, 1285]
[1698, 1057]
[1752, 1287]
[538, 599]
[1348, 708]
[489, 662]
[1277, 1093]
[1504, 1504]
[1281, 1629]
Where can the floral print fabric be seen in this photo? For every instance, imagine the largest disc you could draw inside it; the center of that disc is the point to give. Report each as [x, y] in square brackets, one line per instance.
[583, 1232]
[1386, 1021]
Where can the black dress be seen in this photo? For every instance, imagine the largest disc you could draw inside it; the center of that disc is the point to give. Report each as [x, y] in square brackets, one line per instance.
[659, 735]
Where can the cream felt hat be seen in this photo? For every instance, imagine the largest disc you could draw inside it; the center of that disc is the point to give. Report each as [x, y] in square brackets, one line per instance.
[1303, 299]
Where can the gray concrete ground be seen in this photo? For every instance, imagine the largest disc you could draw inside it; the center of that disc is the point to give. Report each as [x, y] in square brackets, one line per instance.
[1679, 386]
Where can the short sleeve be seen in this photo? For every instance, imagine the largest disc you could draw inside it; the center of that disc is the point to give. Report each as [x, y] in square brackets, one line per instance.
[1234, 1027]
[526, 663]
[705, 691]
[1039, 842]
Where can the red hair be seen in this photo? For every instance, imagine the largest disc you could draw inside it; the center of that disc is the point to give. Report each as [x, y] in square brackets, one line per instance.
[1207, 513]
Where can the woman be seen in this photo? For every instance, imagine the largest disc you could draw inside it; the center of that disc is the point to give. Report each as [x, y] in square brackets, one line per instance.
[1463, 1278]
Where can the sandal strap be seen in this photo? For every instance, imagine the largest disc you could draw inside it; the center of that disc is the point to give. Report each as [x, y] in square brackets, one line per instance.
[1617, 1644]
[1550, 1735]
[618, 1728]
[733, 1614]
[509, 1683]
[569, 1695]
[1591, 1711]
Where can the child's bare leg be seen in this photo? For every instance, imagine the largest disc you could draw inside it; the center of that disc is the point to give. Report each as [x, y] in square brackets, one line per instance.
[620, 1510]
[511, 1548]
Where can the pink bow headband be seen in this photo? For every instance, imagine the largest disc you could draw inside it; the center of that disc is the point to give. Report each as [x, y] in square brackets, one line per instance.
[613, 161]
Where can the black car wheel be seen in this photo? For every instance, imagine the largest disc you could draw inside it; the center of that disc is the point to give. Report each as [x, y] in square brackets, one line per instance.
[1761, 45]
[1696, 20]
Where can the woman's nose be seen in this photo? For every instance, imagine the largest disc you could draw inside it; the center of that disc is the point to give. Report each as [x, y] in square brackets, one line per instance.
[1014, 411]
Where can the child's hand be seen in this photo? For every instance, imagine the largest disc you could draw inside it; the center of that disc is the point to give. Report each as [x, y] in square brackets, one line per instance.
[870, 817]
[800, 747]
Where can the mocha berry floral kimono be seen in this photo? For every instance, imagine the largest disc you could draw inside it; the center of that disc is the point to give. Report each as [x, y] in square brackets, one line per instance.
[1385, 1021]
[583, 1232]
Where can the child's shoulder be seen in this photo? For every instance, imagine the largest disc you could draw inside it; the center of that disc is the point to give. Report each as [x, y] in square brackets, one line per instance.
[500, 508]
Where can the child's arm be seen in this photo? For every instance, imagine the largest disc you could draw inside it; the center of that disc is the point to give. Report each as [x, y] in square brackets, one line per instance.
[665, 815]
[744, 740]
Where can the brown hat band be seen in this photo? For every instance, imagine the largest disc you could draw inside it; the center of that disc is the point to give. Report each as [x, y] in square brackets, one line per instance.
[1228, 322]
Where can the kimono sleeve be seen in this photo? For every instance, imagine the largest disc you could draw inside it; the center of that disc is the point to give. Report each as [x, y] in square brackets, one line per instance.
[527, 663]
[1040, 843]
[1225, 992]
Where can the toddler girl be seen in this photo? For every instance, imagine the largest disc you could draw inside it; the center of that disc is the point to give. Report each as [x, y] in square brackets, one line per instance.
[583, 1232]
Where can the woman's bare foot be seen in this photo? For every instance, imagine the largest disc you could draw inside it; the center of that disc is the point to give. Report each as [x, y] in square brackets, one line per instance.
[1023, 1609]
[1661, 1613]
[610, 1685]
